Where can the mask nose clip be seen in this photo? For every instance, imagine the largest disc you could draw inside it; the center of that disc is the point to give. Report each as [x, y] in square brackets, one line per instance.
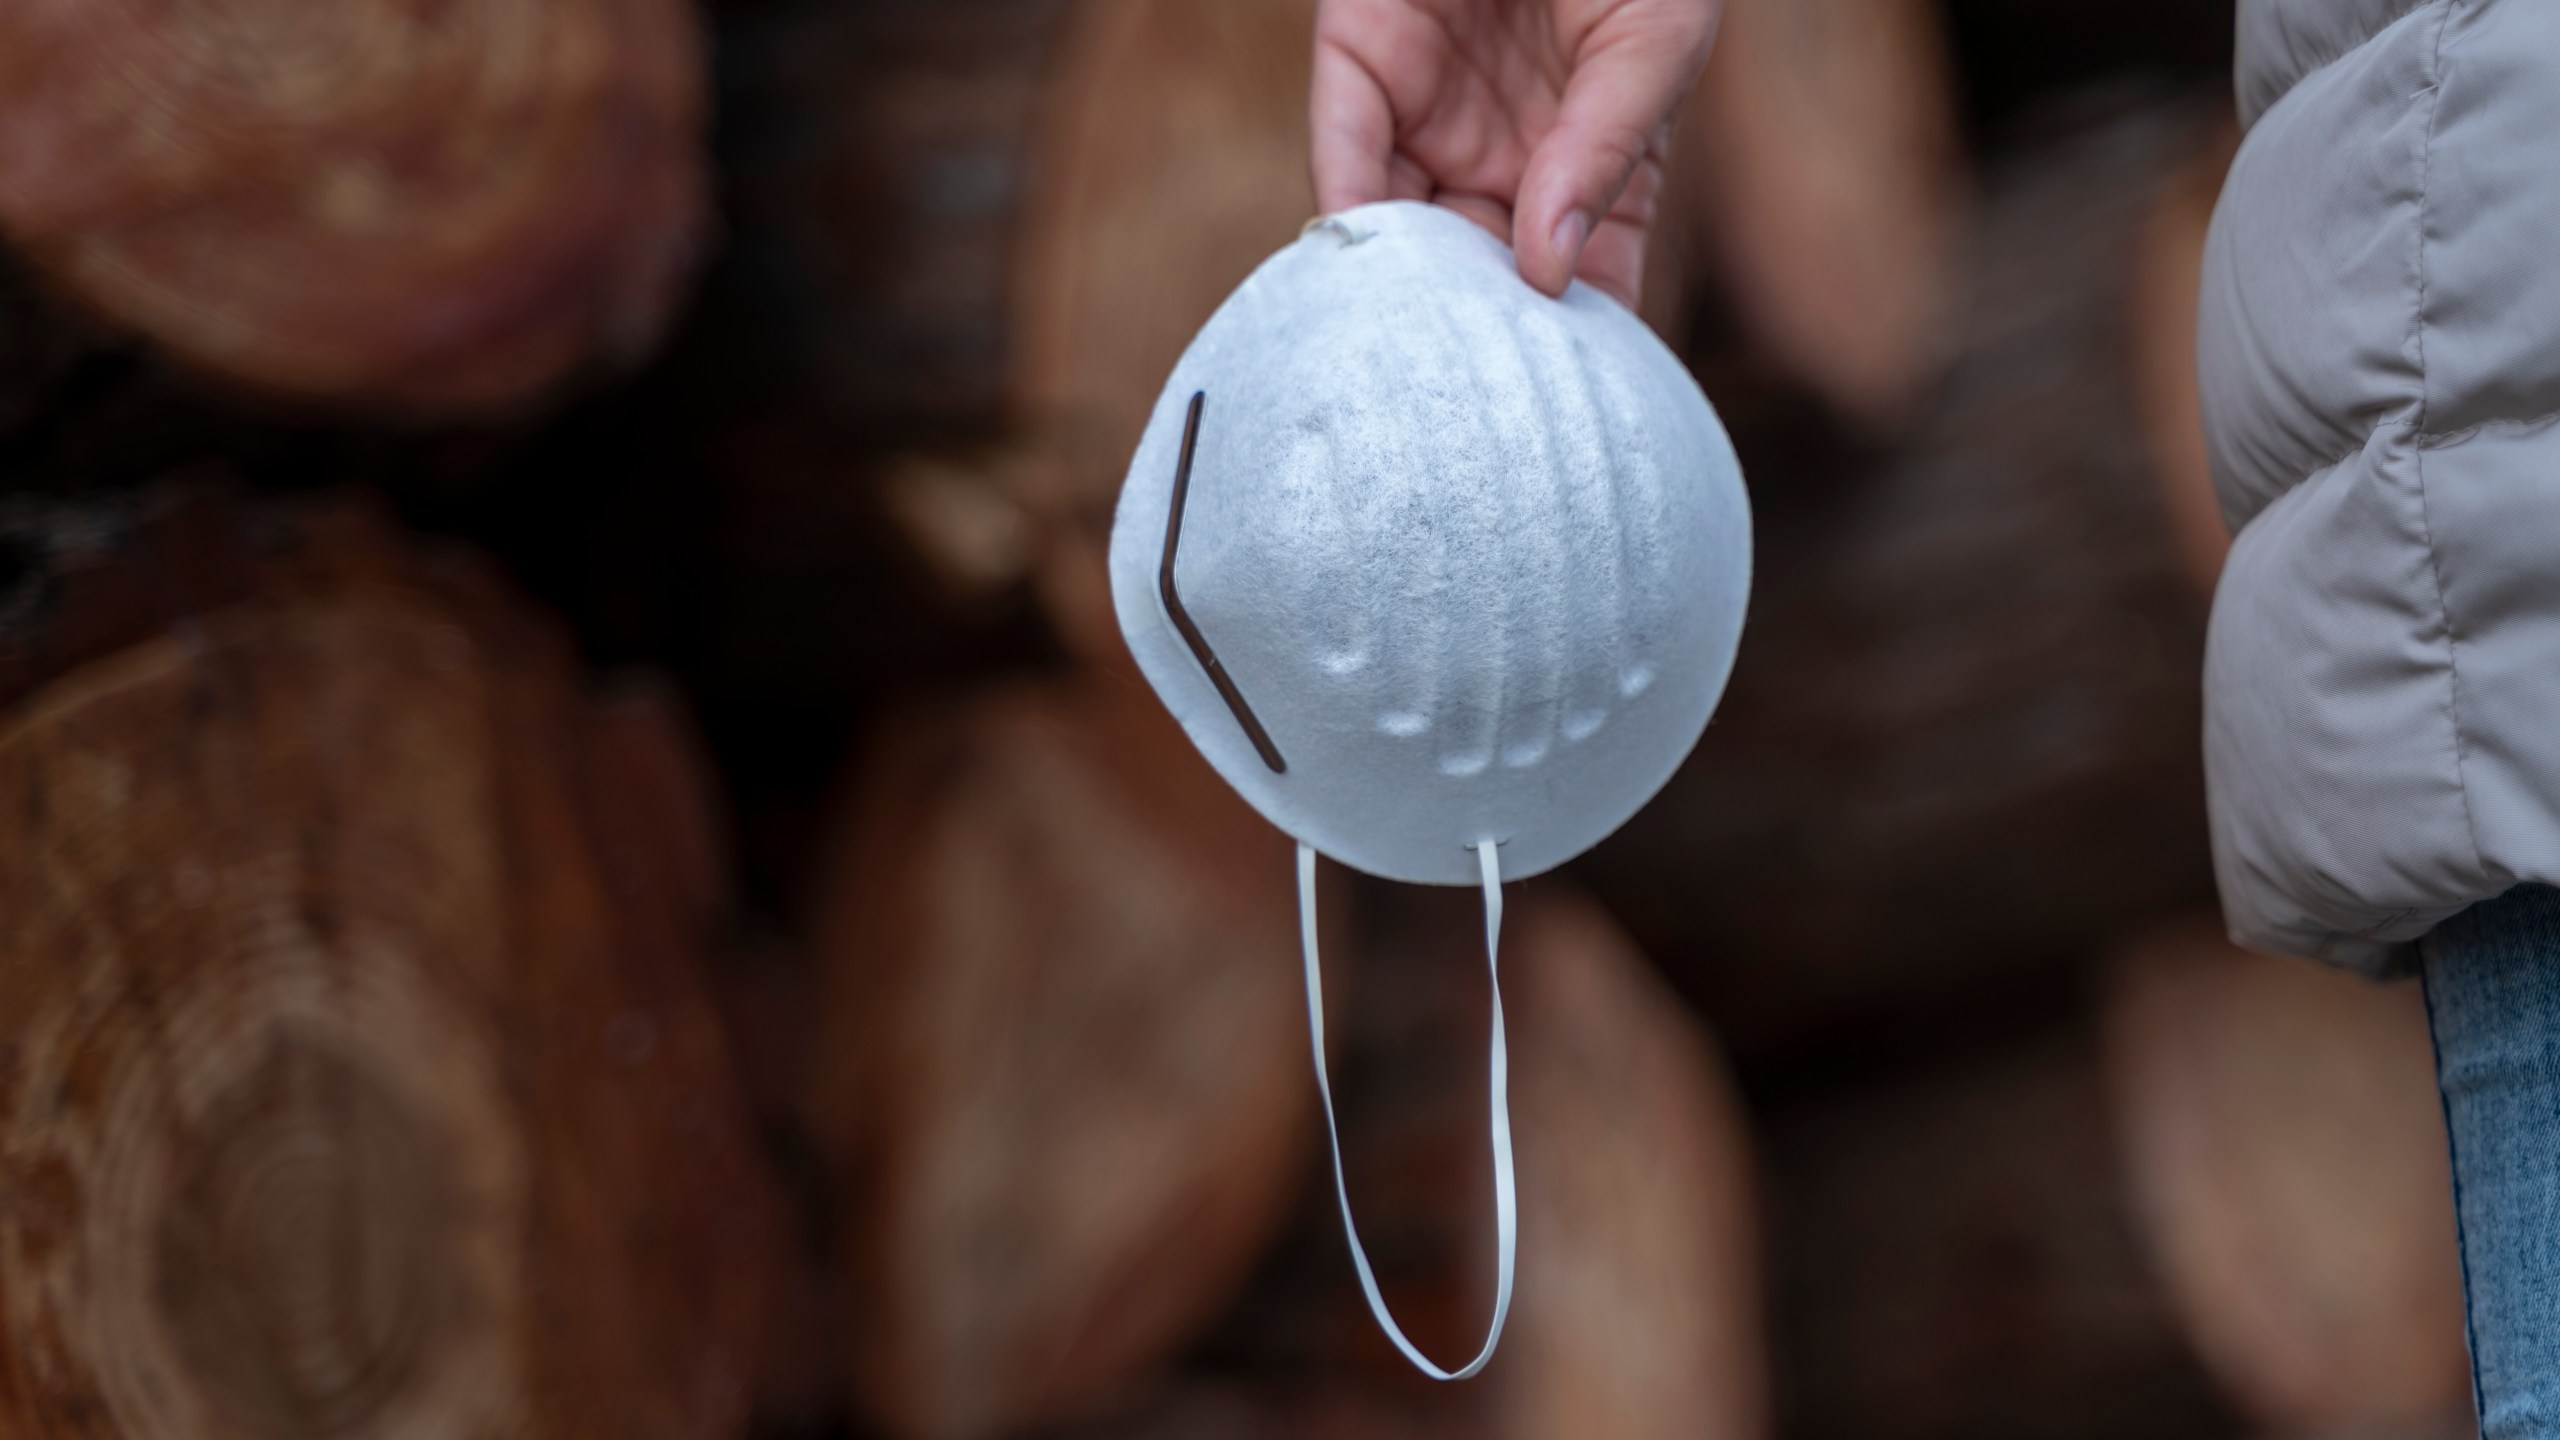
[1181, 618]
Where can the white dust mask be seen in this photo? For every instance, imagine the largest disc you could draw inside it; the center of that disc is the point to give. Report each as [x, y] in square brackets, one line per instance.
[1442, 575]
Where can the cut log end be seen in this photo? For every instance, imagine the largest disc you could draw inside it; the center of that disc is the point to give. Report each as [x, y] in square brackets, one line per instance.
[310, 1263]
[351, 1100]
[1069, 1098]
[2286, 1157]
[425, 208]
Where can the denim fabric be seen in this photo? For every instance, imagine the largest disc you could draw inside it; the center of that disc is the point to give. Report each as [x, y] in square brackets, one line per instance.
[2493, 999]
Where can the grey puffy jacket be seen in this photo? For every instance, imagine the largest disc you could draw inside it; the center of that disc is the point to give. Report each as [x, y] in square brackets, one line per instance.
[2380, 358]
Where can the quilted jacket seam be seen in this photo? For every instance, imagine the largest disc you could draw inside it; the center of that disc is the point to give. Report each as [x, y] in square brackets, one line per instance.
[2447, 439]
[2418, 437]
[2418, 452]
[2351, 47]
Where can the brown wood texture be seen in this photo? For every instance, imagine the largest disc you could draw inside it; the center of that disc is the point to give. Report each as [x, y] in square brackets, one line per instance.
[1640, 1314]
[2286, 1154]
[1959, 748]
[1068, 1097]
[1639, 1311]
[1817, 172]
[437, 208]
[354, 1077]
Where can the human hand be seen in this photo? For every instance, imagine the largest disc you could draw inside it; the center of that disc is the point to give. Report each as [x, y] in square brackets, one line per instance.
[1542, 120]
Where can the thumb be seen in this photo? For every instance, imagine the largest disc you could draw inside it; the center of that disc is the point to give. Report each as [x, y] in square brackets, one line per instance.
[1626, 80]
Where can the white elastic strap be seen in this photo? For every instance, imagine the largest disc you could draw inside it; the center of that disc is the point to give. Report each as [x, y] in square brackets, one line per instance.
[1506, 1201]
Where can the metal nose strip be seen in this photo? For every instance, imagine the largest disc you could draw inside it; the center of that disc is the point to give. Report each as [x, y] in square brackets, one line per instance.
[1182, 621]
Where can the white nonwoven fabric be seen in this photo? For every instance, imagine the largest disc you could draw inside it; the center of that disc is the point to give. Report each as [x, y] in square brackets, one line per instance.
[1474, 559]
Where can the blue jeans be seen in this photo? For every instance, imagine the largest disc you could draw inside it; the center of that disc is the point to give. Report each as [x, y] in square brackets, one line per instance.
[2493, 1000]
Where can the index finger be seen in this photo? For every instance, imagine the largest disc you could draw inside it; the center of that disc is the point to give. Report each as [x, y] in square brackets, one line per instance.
[1351, 131]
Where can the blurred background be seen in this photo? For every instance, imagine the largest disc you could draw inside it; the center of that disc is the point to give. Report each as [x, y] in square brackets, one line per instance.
[581, 858]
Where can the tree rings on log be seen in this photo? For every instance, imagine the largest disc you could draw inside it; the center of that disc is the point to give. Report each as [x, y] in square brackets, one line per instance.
[1070, 1104]
[350, 1085]
[427, 208]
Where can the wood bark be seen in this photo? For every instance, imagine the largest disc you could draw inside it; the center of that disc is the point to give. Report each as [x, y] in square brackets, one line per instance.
[1959, 748]
[354, 1076]
[1069, 1102]
[1816, 180]
[439, 208]
[2286, 1155]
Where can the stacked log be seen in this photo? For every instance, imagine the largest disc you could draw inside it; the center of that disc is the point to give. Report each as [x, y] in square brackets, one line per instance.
[1069, 1105]
[1815, 181]
[355, 1077]
[1640, 1315]
[439, 209]
[2286, 1155]
[1049, 1051]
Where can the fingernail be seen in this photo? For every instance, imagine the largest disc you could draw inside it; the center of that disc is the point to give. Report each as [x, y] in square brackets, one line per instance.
[1569, 234]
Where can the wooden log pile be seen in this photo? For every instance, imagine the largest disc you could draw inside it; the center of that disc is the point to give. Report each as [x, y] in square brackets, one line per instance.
[1066, 1103]
[357, 1070]
[1032, 1234]
[397, 1038]
[1639, 1310]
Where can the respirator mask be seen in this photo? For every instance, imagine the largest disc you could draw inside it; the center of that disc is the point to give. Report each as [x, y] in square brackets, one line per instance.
[1442, 575]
